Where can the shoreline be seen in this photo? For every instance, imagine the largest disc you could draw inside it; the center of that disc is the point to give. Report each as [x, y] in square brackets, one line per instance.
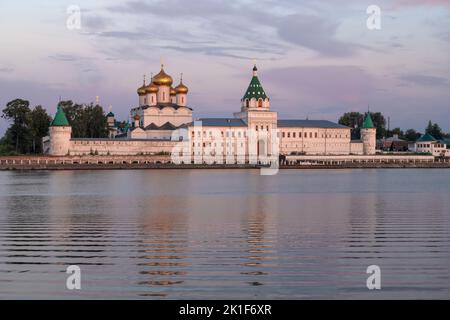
[163, 162]
[74, 167]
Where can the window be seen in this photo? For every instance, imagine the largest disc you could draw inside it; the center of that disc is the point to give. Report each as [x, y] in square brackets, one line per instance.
[293, 135]
[315, 135]
[247, 103]
[284, 135]
[310, 134]
[267, 128]
[289, 134]
[260, 103]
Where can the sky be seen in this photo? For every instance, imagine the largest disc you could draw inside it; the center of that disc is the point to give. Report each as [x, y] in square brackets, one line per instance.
[316, 59]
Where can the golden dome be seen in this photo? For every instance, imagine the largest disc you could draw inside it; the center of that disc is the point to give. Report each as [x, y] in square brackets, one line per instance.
[181, 88]
[137, 117]
[173, 92]
[141, 90]
[162, 78]
[151, 88]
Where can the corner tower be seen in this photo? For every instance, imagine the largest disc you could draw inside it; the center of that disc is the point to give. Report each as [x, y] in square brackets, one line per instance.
[60, 134]
[368, 135]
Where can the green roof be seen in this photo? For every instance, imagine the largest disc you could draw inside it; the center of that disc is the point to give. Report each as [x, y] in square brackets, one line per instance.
[368, 123]
[110, 114]
[255, 89]
[426, 138]
[60, 118]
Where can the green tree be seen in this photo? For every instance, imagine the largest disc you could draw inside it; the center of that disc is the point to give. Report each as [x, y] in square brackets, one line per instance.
[412, 135]
[86, 121]
[353, 120]
[39, 122]
[434, 129]
[18, 134]
[356, 119]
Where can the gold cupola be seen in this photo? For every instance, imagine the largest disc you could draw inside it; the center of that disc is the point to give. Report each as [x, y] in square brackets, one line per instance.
[173, 92]
[151, 88]
[181, 88]
[141, 90]
[162, 78]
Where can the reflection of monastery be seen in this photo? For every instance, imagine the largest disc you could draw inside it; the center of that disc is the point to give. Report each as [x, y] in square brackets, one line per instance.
[163, 115]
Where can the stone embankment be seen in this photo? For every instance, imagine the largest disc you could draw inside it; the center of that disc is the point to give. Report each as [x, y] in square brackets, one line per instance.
[164, 162]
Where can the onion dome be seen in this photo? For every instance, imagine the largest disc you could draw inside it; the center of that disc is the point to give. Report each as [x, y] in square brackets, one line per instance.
[137, 117]
[162, 78]
[181, 88]
[173, 92]
[151, 88]
[141, 90]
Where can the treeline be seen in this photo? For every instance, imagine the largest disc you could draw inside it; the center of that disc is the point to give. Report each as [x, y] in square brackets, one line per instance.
[355, 121]
[29, 125]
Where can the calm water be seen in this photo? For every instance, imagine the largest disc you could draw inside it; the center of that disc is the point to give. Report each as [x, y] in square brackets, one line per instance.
[201, 234]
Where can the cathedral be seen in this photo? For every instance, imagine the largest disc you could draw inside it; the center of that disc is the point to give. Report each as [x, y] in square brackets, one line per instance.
[163, 121]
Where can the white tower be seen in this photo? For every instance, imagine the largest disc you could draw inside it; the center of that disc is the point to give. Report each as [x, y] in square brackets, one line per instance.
[368, 135]
[60, 134]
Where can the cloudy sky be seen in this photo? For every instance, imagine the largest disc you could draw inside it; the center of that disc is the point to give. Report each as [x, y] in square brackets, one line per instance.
[316, 59]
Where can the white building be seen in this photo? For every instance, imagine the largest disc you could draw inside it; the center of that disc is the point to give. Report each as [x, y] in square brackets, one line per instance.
[428, 144]
[163, 119]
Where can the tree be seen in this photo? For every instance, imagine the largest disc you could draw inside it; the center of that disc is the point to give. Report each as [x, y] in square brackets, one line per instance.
[412, 135]
[86, 121]
[395, 131]
[355, 121]
[18, 133]
[39, 122]
[434, 129]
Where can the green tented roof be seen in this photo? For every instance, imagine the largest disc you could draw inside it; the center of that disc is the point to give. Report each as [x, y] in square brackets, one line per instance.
[368, 123]
[255, 89]
[60, 118]
[426, 138]
[110, 114]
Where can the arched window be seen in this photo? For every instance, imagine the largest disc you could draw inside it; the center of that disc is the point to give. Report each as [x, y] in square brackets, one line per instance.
[247, 103]
[260, 103]
[182, 100]
[164, 96]
[153, 99]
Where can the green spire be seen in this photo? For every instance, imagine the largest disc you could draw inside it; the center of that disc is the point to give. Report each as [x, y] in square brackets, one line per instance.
[368, 123]
[255, 89]
[60, 118]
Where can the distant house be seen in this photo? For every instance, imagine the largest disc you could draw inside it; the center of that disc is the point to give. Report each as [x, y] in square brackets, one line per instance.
[392, 144]
[428, 144]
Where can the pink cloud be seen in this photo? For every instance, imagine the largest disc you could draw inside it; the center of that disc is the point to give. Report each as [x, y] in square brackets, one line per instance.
[422, 3]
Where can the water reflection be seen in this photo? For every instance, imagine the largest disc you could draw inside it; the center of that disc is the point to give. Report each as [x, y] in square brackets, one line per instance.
[225, 234]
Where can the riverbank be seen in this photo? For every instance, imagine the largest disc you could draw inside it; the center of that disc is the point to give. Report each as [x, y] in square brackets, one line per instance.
[164, 162]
